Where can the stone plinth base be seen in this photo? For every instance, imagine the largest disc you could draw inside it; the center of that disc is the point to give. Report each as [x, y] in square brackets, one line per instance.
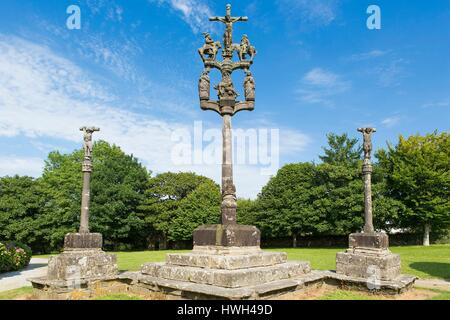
[227, 267]
[83, 240]
[366, 264]
[227, 272]
[398, 285]
[232, 235]
[231, 261]
[82, 264]
[227, 278]
[368, 257]
[375, 240]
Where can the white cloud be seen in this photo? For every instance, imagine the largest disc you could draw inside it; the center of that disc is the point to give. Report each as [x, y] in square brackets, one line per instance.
[310, 12]
[193, 12]
[11, 165]
[391, 121]
[438, 104]
[390, 74]
[43, 95]
[319, 86]
[368, 55]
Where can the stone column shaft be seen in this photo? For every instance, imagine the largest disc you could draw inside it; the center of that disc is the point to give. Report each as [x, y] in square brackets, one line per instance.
[85, 200]
[229, 205]
[368, 217]
[227, 152]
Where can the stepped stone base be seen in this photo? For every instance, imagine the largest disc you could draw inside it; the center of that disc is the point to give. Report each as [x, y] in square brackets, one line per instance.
[226, 267]
[227, 262]
[368, 257]
[82, 262]
[365, 264]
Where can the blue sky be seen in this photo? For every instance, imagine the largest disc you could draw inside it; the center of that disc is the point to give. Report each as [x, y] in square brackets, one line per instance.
[133, 69]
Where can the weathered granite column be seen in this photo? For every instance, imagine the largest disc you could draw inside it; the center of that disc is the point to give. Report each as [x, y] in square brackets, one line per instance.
[368, 256]
[87, 170]
[83, 258]
[228, 233]
[367, 173]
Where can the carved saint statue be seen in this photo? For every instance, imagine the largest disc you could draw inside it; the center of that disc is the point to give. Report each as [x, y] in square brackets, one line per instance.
[367, 146]
[210, 48]
[249, 86]
[87, 137]
[245, 48]
[204, 85]
[226, 90]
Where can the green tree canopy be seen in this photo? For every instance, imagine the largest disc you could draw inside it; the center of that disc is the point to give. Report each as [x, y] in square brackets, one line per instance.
[20, 203]
[419, 177]
[118, 184]
[341, 150]
[177, 203]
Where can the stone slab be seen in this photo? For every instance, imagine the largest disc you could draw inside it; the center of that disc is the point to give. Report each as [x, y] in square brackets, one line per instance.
[231, 235]
[83, 241]
[368, 240]
[397, 285]
[227, 278]
[385, 266]
[82, 264]
[190, 290]
[227, 262]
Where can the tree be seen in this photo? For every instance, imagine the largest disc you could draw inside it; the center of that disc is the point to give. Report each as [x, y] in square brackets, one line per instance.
[419, 177]
[283, 207]
[341, 150]
[118, 184]
[338, 198]
[246, 212]
[201, 206]
[184, 198]
[20, 203]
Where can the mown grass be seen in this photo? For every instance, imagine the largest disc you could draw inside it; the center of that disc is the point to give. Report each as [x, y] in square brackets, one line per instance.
[16, 293]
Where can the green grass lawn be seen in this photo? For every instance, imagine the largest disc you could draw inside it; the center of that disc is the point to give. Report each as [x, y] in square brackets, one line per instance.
[423, 262]
[13, 294]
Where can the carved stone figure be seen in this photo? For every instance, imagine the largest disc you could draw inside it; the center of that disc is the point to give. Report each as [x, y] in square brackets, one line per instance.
[87, 137]
[225, 90]
[367, 146]
[228, 20]
[249, 87]
[204, 85]
[245, 48]
[210, 48]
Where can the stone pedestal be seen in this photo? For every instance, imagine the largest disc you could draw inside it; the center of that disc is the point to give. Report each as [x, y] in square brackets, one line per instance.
[368, 257]
[228, 235]
[221, 270]
[82, 262]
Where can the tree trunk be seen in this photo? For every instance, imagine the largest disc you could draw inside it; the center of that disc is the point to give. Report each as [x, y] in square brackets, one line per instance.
[294, 241]
[163, 243]
[426, 235]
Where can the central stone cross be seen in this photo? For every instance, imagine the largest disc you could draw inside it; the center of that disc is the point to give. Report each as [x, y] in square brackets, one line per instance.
[227, 106]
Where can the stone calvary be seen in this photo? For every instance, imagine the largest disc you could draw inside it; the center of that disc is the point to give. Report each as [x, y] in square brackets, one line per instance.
[368, 256]
[226, 261]
[83, 260]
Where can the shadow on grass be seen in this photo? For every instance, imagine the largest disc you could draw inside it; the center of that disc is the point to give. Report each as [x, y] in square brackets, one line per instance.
[434, 269]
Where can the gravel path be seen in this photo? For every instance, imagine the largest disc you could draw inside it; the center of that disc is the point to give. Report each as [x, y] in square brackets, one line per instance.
[18, 279]
[433, 284]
